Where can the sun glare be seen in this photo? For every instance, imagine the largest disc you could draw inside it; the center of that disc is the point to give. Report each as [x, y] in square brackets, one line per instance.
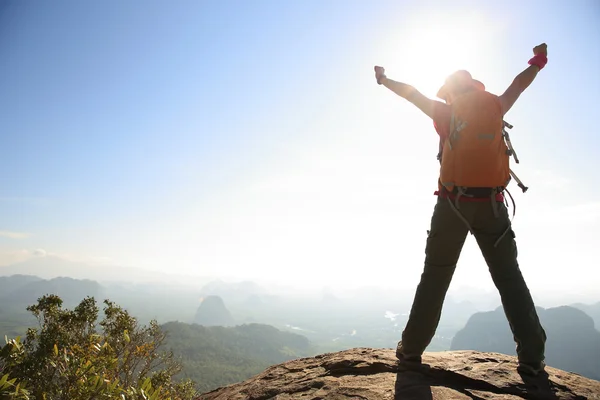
[431, 46]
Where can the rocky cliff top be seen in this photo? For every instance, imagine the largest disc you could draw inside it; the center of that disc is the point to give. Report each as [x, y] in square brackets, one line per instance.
[374, 374]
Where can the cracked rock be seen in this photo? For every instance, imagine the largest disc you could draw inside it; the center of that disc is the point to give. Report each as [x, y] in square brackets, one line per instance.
[374, 374]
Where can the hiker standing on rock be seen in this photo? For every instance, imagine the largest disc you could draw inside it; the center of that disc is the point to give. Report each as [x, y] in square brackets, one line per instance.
[474, 158]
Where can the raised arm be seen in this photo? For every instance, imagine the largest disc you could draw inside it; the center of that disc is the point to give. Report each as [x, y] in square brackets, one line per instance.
[408, 92]
[525, 78]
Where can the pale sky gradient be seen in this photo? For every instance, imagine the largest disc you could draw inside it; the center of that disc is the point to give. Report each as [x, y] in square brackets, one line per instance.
[250, 140]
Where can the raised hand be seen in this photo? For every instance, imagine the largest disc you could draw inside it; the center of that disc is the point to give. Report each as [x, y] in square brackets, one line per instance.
[540, 49]
[379, 73]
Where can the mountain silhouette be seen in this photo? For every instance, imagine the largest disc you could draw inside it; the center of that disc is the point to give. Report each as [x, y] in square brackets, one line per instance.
[212, 312]
[233, 292]
[573, 343]
[50, 266]
[23, 290]
[11, 284]
[593, 310]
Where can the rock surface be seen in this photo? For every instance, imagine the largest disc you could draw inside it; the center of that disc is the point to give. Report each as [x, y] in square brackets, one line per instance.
[374, 374]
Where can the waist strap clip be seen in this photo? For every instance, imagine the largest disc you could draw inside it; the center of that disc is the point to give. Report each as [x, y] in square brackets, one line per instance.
[460, 191]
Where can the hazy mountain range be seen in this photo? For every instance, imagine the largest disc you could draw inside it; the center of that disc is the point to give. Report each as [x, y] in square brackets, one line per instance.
[49, 266]
[325, 320]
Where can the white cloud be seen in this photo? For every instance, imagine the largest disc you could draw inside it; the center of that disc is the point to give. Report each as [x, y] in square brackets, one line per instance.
[39, 253]
[13, 235]
[8, 257]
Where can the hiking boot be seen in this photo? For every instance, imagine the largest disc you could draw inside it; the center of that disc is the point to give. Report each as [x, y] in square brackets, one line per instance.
[407, 358]
[532, 369]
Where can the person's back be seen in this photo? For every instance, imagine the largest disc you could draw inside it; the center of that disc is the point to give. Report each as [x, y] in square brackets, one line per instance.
[474, 172]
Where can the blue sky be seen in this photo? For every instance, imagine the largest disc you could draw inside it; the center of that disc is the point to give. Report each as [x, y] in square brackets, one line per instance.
[248, 139]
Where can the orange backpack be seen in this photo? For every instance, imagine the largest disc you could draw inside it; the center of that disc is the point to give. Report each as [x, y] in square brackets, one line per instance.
[476, 152]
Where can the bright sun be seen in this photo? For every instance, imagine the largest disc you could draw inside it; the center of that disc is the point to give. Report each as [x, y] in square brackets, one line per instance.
[432, 46]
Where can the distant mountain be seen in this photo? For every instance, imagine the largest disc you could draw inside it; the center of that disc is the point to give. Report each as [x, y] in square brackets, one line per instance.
[144, 301]
[234, 292]
[573, 343]
[593, 310]
[11, 284]
[49, 267]
[218, 356]
[212, 312]
[22, 291]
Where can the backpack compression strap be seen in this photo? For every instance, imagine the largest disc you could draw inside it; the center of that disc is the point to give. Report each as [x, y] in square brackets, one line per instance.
[511, 152]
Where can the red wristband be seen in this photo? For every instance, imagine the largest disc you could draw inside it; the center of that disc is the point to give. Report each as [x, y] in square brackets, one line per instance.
[539, 60]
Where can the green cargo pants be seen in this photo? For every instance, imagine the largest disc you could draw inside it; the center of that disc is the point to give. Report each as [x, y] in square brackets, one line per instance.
[444, 244]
